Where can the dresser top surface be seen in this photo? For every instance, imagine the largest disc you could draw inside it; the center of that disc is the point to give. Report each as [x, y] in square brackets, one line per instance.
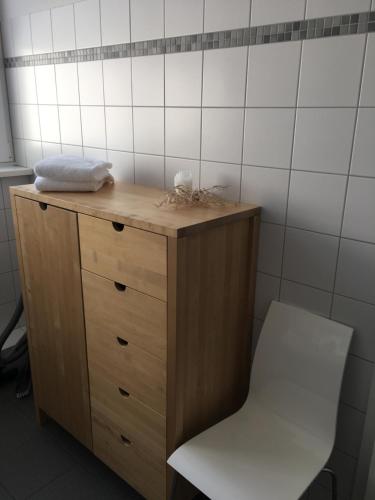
[136, 206]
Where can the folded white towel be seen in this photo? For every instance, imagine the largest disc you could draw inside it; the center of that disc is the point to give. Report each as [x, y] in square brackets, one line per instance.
[72, 168]
[47, 184]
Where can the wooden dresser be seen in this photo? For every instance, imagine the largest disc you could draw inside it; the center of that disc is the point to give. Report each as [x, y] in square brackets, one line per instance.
[139, 319]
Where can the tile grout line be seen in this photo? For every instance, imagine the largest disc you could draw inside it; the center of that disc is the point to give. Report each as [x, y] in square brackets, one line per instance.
[131, 92]
[290, 169]
[348, 175]
[244, 106]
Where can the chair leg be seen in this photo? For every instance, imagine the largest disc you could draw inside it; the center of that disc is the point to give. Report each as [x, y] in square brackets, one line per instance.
[333, 482]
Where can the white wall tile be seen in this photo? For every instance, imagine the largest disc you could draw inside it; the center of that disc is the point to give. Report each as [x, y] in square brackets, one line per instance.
[306, 297]
[26, 85]
[267, 187]
[67, 83]
[50, 149]
[93, 126]
[368, 81]
[148, 81]
[63, 29]
[149, 170]
[7, 38]
[357, 382]
[331, 71]
[149, 130]
[16, 119]
[68, 149]
[183, 79]
[310, 258]
[117, 82]
[11, 75]
[22, 35]
[46, 84]
[19, 152]
[49, 123]
[41, 32]
[90, 77]
[356, 271]
[267, 289]
[147, 19]
[119, 125]
[321, 8]
[183, 16]
[224, 77]
[361, 317]
[12, 181]
[9, 226]
[270, 252]
[268, 137]
[364, 144]
[222, 174]
[183, 132]
[70, 125]
[224, 15]
[350, 424]
[274, 11]
[222, 134]
[257, 328]
[122, 165]
[87, 23]
[30, 120]
[323, 139]
[33, 152]
[115, 21]
[316, 201]
[96, 153]
[174, 165]
[359, 218]
[273, 74]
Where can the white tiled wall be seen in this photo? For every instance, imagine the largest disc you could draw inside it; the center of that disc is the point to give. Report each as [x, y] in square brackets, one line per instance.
[287, 125]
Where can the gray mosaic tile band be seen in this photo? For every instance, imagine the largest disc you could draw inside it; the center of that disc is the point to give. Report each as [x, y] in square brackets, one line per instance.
[350, 24]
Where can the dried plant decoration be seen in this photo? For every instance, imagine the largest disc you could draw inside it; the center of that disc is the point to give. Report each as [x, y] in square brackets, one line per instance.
[182, 196]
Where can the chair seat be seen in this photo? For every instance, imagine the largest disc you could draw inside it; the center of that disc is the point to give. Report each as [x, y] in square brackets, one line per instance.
[252, 455]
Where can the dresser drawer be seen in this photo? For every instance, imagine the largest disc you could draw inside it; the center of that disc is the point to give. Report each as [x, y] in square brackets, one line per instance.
[135, 370]
[143, 426]
[128, 459]
[125, 312]
[124, 254]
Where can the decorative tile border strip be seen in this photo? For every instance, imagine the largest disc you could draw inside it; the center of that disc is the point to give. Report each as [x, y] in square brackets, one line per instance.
[322, 27]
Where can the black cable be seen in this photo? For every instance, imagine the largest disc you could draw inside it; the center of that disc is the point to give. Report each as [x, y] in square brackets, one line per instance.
[20, 348]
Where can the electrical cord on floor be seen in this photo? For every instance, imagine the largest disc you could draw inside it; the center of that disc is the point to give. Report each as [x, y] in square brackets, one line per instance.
[18, 352]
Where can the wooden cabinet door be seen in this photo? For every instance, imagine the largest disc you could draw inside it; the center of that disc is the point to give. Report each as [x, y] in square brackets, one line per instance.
[49, 248]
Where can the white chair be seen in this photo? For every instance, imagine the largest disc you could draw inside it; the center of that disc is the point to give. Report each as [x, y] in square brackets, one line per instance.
[282, 437]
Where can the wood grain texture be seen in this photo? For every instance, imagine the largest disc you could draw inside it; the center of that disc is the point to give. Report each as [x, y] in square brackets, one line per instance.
[135, 206]
[135, 370]
[143, 426]
[130, 461]
[208, 328]
[137, 317]
[133, 257]
[53, 293]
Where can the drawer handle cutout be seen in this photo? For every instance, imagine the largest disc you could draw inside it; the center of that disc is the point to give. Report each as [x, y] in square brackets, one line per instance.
[125, 440]
[123, 393]
[43, 206]
[122, 342]
[117, 226]
[120, 287]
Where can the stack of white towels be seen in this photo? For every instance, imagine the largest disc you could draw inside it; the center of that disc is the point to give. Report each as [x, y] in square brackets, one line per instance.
[71, 173]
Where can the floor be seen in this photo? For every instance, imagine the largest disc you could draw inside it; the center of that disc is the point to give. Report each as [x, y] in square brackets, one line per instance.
[47, 463]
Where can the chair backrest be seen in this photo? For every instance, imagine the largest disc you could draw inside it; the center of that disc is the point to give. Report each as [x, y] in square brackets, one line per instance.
[298, 368]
